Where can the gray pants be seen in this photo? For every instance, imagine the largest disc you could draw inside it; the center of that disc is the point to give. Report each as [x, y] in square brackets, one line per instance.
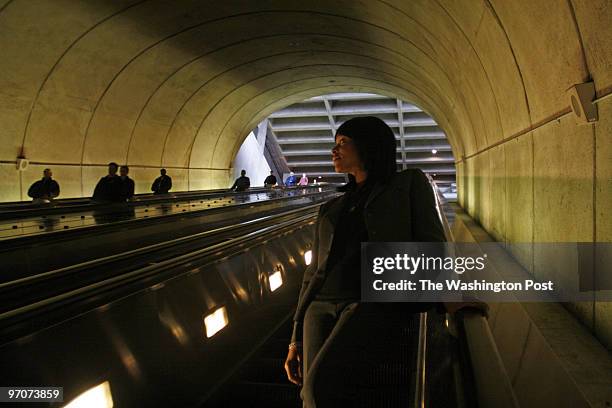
[340, 345]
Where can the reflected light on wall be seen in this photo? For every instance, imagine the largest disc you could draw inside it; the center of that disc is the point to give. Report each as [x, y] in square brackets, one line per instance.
[166, 317]
[215, 321]
[276, 280]
[96, 397]
[179, 334]
[308, 257]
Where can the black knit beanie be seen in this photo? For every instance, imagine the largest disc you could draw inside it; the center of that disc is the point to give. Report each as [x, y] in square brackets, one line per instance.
[375, 143]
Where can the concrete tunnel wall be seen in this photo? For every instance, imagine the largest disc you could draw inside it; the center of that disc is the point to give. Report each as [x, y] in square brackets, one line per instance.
[180, 84]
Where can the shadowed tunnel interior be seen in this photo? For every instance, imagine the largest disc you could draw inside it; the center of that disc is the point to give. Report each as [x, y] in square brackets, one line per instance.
[180, 84]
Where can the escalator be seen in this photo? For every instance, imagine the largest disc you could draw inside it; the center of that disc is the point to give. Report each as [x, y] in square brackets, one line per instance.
[260, 381]
[68, 205]
[31, 255]
[142, 327]
[418, 363]
[27, 220]
[382, 375]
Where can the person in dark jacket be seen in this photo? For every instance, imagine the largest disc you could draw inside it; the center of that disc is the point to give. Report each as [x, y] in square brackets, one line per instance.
[128, 183]
[270, 181]
[242, 183]
[44, 190]
[162, 184]
[330, 322]
[110, 187]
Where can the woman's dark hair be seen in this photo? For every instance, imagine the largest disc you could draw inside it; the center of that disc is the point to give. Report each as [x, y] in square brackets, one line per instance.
[375, 143]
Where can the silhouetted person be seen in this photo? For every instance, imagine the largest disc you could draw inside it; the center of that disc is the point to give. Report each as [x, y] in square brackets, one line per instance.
[110, 187]
[45, 190]
[270, 181]
[242, 183]
[128, 183]
[162, 184]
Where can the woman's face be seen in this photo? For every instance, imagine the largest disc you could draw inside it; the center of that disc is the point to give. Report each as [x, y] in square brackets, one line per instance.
[345, 156]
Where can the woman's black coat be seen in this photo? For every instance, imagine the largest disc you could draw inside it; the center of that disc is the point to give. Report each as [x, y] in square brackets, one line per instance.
[402, 209]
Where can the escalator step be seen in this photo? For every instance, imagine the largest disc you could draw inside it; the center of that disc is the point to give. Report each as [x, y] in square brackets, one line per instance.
[259, 395]
[384, 397]
[275, 348]
[271, 370]
[386, 374]
[266, 370]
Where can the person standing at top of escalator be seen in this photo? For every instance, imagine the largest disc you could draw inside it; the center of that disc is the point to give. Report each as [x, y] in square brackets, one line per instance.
[110, 187]
[291, 180]
[242, 183]
[128, 183]
[162, 184]
[303, 180]
[270, 181]
[44, 190]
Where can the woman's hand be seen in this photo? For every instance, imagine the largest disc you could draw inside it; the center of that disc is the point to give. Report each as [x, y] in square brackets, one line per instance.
[293, 366]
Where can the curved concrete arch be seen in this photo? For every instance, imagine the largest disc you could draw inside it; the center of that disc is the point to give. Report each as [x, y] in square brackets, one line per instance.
[496, 135]
[26, 65]
[533, 44]
[402, 7]
[198, 90]
[79, 94]
[473, 79]
[474, 24]
[283, 79]
[241, 134]
[66, 50]
[220, 97]
[213, 136]
[266, 75]
[95, 108]
[105, 93]
[186, 66]
[351, 84]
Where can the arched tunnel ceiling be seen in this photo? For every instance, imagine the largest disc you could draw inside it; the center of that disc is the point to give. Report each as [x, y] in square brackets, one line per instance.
[180, 83]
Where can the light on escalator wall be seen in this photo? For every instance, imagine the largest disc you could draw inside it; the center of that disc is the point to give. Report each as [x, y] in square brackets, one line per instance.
[275, 280]
[97, 397]
[308, 257]
[215, 321]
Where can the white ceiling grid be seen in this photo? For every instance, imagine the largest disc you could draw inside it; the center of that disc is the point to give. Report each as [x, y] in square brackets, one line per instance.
[305, 133]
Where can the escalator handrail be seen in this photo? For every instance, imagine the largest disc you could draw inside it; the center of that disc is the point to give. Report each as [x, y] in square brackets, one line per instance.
[25, 209]
[491, 381]
[421, 360]
[117, 286]
[153, 248]
[57, 234]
